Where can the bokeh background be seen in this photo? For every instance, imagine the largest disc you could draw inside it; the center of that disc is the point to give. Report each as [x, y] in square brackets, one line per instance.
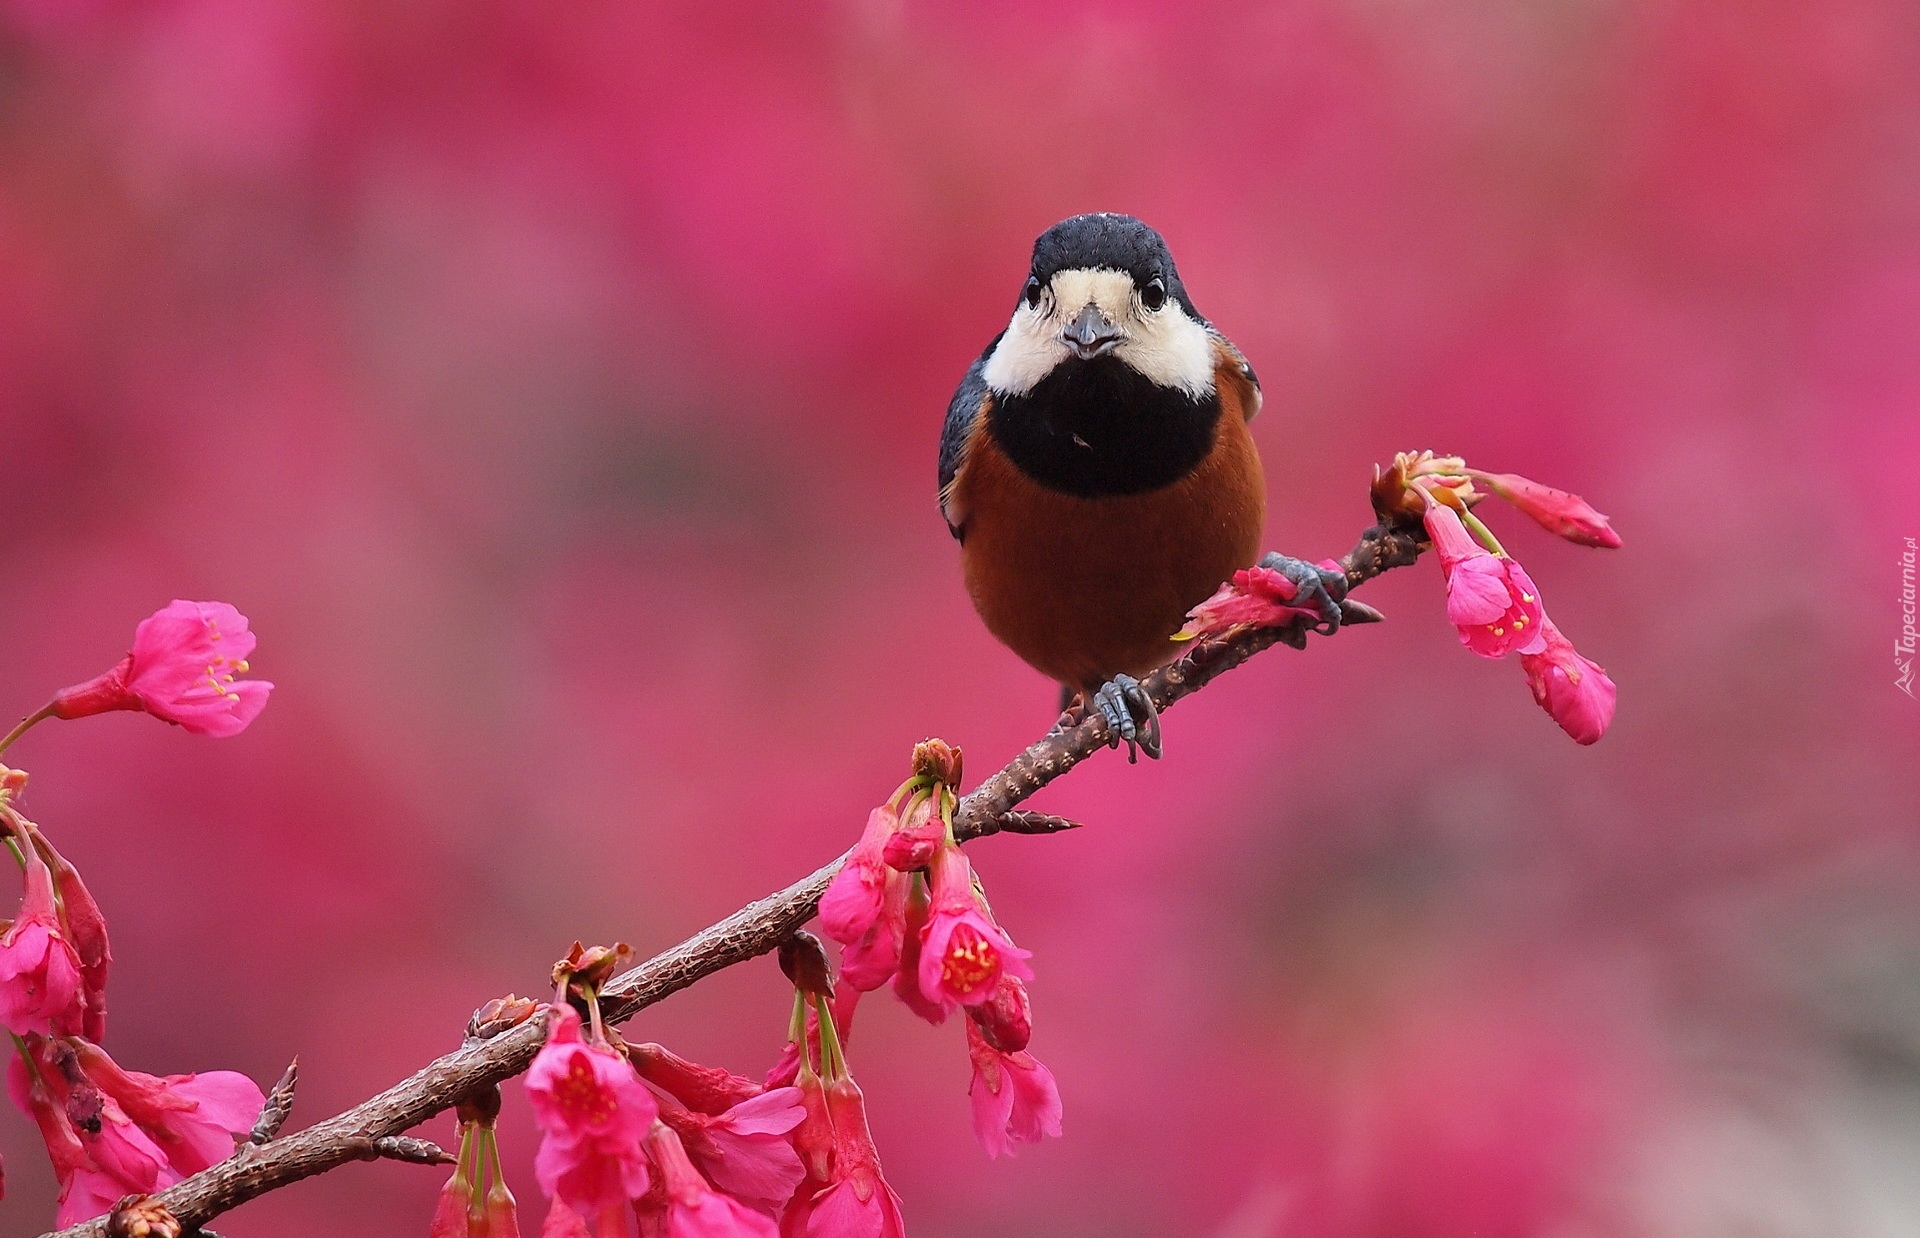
[556, 387]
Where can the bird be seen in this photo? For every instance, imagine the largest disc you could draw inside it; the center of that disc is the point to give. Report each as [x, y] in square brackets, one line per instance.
[1098, 472]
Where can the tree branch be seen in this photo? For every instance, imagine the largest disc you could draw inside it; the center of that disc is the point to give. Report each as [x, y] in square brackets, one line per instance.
[369, 1127]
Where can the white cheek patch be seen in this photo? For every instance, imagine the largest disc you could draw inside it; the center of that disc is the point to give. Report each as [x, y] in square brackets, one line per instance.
[1164, 345]
[1171, 349]
[1027, 353]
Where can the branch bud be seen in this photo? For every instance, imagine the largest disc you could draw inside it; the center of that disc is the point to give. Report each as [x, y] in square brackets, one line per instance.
[589, 967]
[938, 760]
[142, 1216]
[804, 960]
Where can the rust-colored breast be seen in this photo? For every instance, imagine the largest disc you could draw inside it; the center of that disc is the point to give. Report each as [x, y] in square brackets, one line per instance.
[1086, 588]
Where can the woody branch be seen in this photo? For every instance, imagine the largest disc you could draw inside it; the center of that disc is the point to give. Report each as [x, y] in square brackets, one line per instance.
[367, 1130]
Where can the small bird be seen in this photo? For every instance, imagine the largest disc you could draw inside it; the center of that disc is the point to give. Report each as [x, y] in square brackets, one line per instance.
[1096, 467]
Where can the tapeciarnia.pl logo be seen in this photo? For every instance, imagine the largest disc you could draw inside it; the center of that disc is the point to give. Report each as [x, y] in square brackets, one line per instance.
[1903, 647]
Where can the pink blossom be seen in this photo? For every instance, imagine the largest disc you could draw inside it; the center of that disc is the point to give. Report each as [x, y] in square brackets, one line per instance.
[1015, 1099]
[98, 1161]
[906, 979]
[691, 1208]
[871, 961]
[1575, 690]
[1490, 598]
[962, 953]
[183, 667]
[193, 1119]
[703, 1089]
[745, 1151]
[852, 901]
[1256, 597]
[40, 980]
[593, 1112]
[856, 1202]
[1557, 511]
[87, 931]
[786, 1069]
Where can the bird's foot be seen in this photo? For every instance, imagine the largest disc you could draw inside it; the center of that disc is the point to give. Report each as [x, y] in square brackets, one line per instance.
[1130, 716]
[1315, 588]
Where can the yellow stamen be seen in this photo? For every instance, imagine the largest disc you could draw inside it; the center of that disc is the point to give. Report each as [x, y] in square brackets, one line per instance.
[971, 959]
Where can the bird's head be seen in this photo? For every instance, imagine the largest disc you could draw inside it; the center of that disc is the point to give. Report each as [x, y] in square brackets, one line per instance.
[1102, 291]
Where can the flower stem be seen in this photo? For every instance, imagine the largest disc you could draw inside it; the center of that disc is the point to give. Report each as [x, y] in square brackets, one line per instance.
[593, 1014]
[497, 1175]
[1493, 483]
[797, 1027]
[833, 1057]
[904, 793]
[33, 1067]
[26, 724]
[1482, 532]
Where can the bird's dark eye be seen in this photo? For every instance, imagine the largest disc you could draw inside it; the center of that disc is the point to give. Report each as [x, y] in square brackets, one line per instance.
[1033, 292]
[1154, 295]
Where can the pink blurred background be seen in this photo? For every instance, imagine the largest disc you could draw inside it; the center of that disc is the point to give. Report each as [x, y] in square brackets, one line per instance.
[556, 387]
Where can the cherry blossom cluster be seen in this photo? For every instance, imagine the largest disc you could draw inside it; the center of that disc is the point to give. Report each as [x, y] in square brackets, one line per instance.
[633, 1136]
[910, 912]
[113, 1132]
[1491, 601]
[637, 1139]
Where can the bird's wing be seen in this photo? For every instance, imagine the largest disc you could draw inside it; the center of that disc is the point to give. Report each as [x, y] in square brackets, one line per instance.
[1234, 366]
[969, 404]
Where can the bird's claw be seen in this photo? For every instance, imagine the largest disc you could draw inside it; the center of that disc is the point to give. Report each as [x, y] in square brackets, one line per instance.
[1315, 588]
[1119, 700]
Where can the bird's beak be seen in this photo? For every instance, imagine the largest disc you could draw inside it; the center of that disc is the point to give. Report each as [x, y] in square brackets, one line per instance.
[1091, 335]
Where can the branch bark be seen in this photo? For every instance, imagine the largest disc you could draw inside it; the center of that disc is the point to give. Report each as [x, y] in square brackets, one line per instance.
[255, 1169]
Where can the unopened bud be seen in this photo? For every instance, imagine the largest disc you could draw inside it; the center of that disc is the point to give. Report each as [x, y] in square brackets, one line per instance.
[1557, 511]
[913, 848]
[86, 931]
[711, 1090]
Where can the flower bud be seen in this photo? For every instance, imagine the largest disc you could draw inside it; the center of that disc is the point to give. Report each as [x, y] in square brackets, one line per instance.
[914, 847]
[1557, 511]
